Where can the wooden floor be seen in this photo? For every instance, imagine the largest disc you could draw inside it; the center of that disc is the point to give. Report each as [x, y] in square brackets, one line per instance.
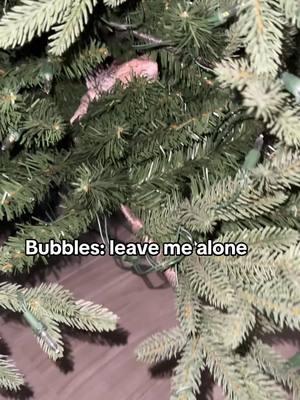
[99, 366]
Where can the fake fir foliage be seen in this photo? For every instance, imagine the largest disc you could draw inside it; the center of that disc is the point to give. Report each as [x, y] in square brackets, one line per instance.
[210, 150]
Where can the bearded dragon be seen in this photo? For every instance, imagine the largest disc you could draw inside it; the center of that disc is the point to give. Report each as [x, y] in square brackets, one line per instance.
[104, 80]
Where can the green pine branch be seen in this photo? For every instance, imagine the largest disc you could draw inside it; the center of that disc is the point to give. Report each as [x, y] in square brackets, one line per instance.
[10, 377]
[162, 345]
[277, 299]
[43, 126]
[228, 200]
[225, 369]
[92, 317]
[80, 63]
[259, 385]
[280, 117]
[238, 324]
[240, 379]
[276, 366]
[187, 375]
[282, 171]
[188, 308]
[72, 26]
[261, 27]
[52, 304]
[12, 109]
[208, 281]
[70, 225]
[114, 3]
[94, 190]
[26, 73]
[32, 18]
[291, 9]
[25, 182]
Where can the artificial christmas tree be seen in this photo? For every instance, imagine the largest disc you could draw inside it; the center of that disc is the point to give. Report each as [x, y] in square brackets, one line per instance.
[205, 150]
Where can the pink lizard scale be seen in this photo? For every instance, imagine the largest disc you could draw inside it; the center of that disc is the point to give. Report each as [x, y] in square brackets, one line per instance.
[104, 80]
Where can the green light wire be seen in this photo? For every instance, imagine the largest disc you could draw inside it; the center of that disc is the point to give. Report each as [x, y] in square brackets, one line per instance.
[152, 266]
